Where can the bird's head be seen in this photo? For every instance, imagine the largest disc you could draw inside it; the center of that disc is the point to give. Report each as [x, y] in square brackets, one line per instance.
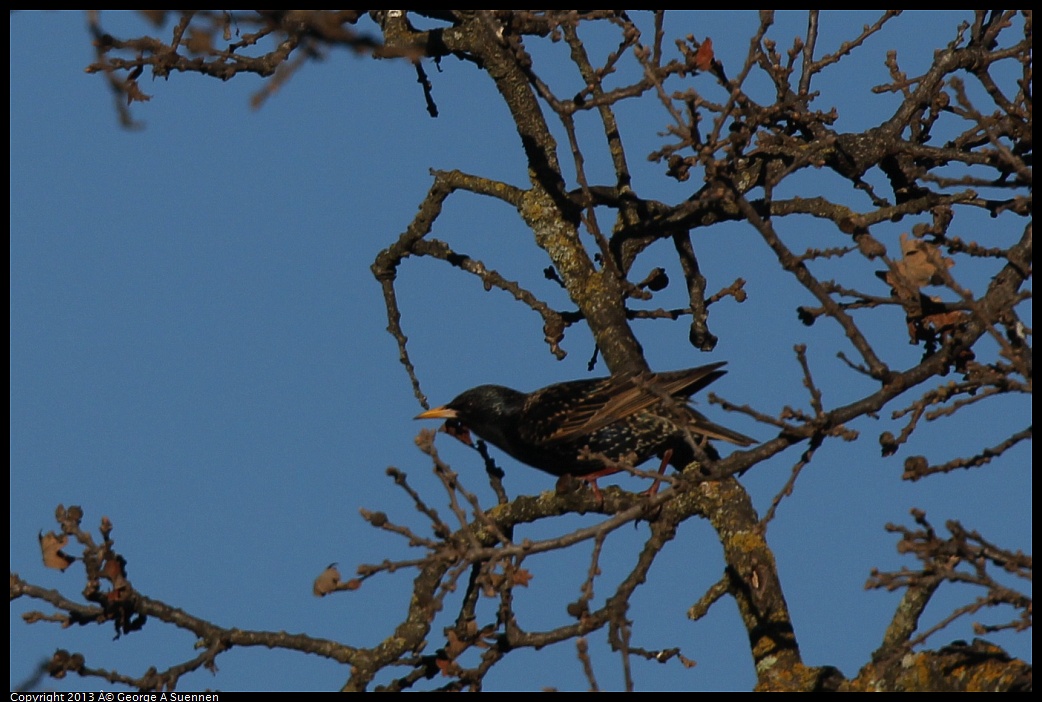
[488, 410]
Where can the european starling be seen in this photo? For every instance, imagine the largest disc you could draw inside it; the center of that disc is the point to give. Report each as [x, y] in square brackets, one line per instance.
[571, 428]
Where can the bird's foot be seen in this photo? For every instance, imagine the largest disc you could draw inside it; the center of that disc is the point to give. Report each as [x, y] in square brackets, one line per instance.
[653, 490]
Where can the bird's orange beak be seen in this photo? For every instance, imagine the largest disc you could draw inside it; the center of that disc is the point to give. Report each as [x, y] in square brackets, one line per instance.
[452, 427]
[438, 413]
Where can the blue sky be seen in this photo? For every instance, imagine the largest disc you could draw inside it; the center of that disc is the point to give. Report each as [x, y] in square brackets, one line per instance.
[198, 352]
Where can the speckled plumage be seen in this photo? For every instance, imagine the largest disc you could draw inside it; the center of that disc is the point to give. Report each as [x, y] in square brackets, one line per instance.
[622, 418]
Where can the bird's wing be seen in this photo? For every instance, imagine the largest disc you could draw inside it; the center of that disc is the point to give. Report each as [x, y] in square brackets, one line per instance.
[701, 426]
[611, 399]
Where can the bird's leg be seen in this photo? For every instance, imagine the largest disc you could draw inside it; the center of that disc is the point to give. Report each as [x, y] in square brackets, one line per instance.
[590, 479]
[661, 471]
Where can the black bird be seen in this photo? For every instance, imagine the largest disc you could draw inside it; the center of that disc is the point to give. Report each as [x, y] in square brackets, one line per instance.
[587, 428]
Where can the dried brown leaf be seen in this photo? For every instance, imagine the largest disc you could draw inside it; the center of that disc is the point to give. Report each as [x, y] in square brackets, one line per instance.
[704, 55]
[51, 545]
[328, 581]
[522, 577]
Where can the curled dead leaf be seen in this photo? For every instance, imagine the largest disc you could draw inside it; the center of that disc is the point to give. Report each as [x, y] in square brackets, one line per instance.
[328, 581]
[51, 545]
[448, 667]
[521, 577]
[935, 321]
[120, 591]
[921, 264]
[704, 55]
[944, 322]
[199, 41]
[114, 568]
[454, 644]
